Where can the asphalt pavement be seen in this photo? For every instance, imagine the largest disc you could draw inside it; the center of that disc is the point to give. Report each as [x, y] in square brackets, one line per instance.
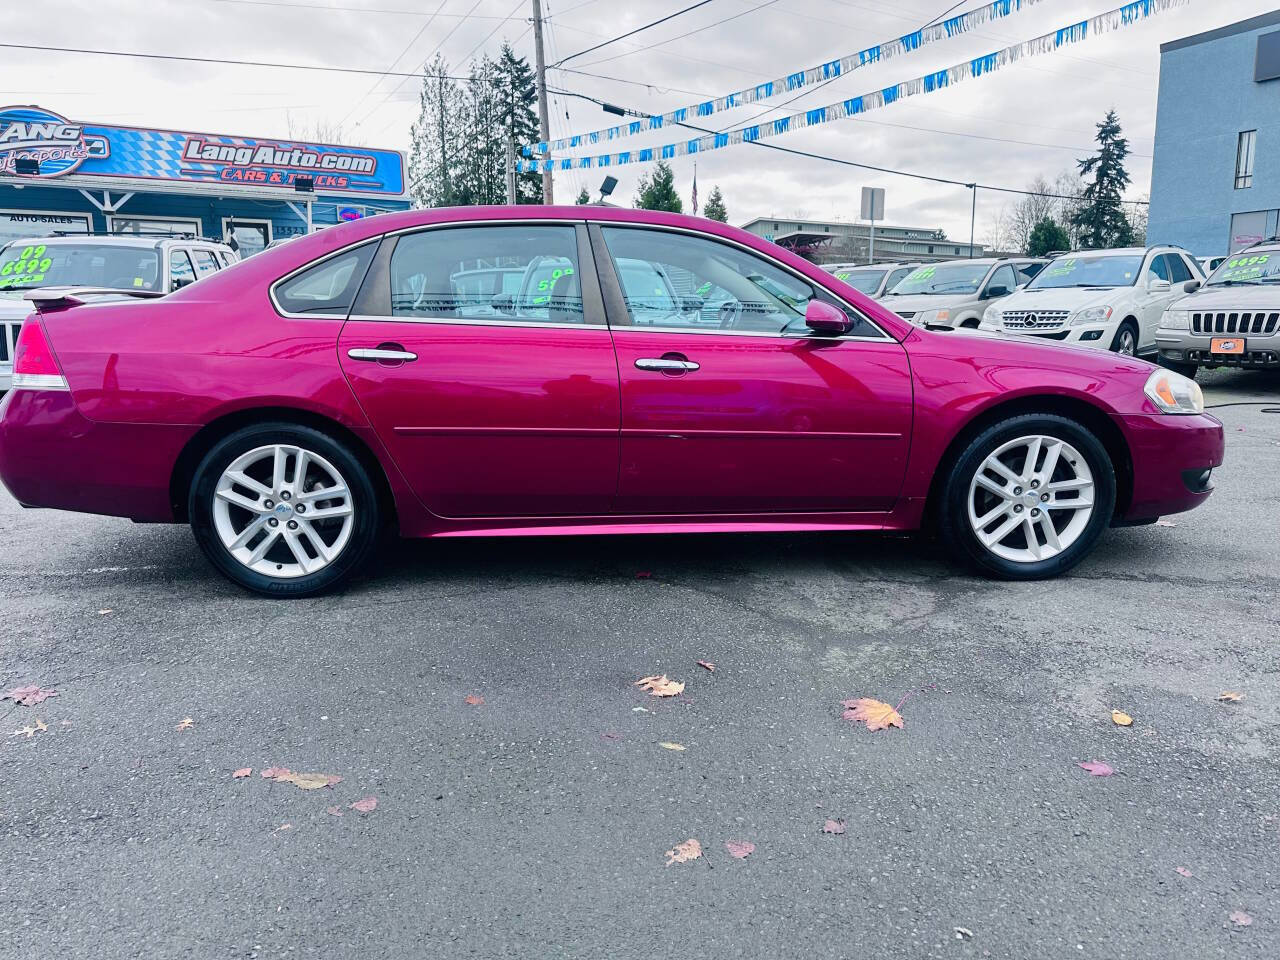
[535, 824]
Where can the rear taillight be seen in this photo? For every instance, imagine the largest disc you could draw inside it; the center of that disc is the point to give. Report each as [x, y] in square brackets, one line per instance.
[34, 365]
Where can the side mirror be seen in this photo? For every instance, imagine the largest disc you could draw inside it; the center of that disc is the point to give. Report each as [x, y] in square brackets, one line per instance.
[1191, 286]
[824, 318]
[1156, 285]
[995, 291]
[180, 282]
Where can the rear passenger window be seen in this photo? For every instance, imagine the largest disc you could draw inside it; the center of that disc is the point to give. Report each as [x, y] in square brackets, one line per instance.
[896, 277]
[489, 273]
[1028, 271]
[329, 287]
[180, 270]
[205, 264]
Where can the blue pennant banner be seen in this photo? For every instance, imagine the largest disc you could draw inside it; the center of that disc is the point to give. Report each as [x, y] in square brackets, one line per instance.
[1116, 19]
[962, 23]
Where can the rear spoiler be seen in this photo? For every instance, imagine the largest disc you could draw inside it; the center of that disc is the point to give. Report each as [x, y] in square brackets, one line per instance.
[48, 299]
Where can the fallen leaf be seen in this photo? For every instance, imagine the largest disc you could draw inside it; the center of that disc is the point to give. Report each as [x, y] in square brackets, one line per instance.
[29, 696]
[1165, 523]
[963, 933]
[103, 613]
[739, 849]
[283, 826]
[705, 665]
[1240, 918]
[1121, 719]
[876, 715]
[307, 781]
[612, 737]
[272, 772]
[40, 725]
[27, 731]
[1183, 872]
[336, 811]
[660, 686]
[365, 805]
[186, 724]
[1229, 696]
[242, 773]
[684, 852]
[473, 701]
[639, 710]
[833, 826]
[671, 746]
[1097, 768]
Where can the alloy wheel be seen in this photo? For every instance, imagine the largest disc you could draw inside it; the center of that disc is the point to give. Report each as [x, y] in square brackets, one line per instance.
[283, 511]
[1128, 345]
[1031, 499]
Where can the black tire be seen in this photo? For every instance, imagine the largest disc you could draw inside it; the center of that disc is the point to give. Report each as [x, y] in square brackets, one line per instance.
[1188, 370]
[953, 520]
[366, 522]
[1127, 328]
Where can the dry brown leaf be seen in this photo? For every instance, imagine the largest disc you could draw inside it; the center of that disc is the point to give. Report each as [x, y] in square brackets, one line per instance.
[242, 773]
[660, 686]
[283, 826]
[739, 849]
[307, 781]
[472, 700]
[365, 805]
[876, 715]
[28, 731]
[707, 665]
[335, 811]
[671, 746]
[1240, 918]
[41, 725]
[272, 772]
[29, 696]
[684, 852]
[1229, 696]
[833, 826]
[1121, 719]
[186, 724]
[1183, 872]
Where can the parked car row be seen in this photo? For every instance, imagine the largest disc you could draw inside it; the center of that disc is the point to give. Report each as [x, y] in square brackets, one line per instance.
[623, 371]
[109, 266]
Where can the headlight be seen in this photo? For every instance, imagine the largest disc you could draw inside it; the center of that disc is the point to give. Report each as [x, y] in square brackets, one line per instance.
[1091, 315]
[1173, 393]
[992, 316]
[1176, 320]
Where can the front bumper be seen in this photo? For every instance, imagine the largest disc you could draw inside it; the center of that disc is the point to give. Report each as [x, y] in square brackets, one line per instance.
[1183, 346]
[1086, 334]
[1170, 455]
[52, 456]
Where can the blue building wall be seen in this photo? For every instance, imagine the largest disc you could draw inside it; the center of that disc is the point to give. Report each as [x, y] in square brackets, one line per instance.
[210, 211]
[1208, 96]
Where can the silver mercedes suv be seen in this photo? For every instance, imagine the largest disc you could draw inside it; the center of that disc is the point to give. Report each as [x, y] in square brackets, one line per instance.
[1233, 320]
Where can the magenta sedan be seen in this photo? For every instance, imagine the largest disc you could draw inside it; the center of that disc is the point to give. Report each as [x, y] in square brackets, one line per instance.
[533, 371]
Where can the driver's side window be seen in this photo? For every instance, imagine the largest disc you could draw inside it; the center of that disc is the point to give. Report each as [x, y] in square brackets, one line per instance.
[1158, 269]
[678, 281]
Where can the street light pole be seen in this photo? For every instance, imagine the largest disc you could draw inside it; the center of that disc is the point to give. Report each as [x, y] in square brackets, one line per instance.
[973, 216]
[540, 65]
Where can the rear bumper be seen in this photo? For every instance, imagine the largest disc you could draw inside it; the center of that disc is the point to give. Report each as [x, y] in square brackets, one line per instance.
[1170, 454]
[52, 456]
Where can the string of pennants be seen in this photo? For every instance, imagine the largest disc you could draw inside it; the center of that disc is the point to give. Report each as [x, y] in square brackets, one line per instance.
[1112, 20]
[962, 23]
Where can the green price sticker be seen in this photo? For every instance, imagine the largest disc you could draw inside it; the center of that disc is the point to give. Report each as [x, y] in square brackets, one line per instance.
[26, 269]
[924, 273]
[545, 286]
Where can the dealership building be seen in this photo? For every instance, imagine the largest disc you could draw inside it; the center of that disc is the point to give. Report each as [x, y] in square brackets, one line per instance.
[1215, 177]
[67, 176]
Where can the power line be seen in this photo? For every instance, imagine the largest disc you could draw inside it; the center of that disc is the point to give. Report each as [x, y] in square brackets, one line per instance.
[632, 33]
[689, 33]
[345, 9]
[968, 185]
[408, 46]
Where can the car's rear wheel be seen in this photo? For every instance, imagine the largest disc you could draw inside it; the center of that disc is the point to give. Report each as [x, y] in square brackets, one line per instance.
[1028, 497]
[283, 510]
[1125, 342]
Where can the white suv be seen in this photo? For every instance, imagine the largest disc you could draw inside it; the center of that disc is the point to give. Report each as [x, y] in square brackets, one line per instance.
[1111, 299]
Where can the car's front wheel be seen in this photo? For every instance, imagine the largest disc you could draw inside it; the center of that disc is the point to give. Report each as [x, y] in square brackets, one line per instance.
[1028, 497]
[283, 510]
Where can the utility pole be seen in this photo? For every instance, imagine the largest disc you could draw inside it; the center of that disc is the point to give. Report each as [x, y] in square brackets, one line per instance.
[973, 216]
[544, 121]
[511, 148]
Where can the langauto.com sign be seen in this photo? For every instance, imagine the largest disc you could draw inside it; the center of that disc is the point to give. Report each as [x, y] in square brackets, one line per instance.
[61, 147]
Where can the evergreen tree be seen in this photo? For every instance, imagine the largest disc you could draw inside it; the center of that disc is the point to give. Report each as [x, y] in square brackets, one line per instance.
[435, 141]
[583, 197]
[519, 116]
[715, 210]
[658, 192]
[1047, 235]
[1100, 217]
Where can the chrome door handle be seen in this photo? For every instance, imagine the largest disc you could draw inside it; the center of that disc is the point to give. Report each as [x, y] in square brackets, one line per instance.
[664, 365]
[378, 353]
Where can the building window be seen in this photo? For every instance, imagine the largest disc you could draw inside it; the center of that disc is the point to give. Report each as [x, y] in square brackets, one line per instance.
[1244, 159]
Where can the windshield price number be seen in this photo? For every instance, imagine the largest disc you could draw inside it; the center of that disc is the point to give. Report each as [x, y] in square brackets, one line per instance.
[30, 267]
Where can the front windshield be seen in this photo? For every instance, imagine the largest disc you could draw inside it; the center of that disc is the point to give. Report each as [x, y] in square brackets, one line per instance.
[1082, 270]
[943, 279]
[1248, 268]
[864, 281]
[25, 265]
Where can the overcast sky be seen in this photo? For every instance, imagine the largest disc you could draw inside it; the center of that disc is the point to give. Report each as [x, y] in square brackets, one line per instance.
[1032, 118]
